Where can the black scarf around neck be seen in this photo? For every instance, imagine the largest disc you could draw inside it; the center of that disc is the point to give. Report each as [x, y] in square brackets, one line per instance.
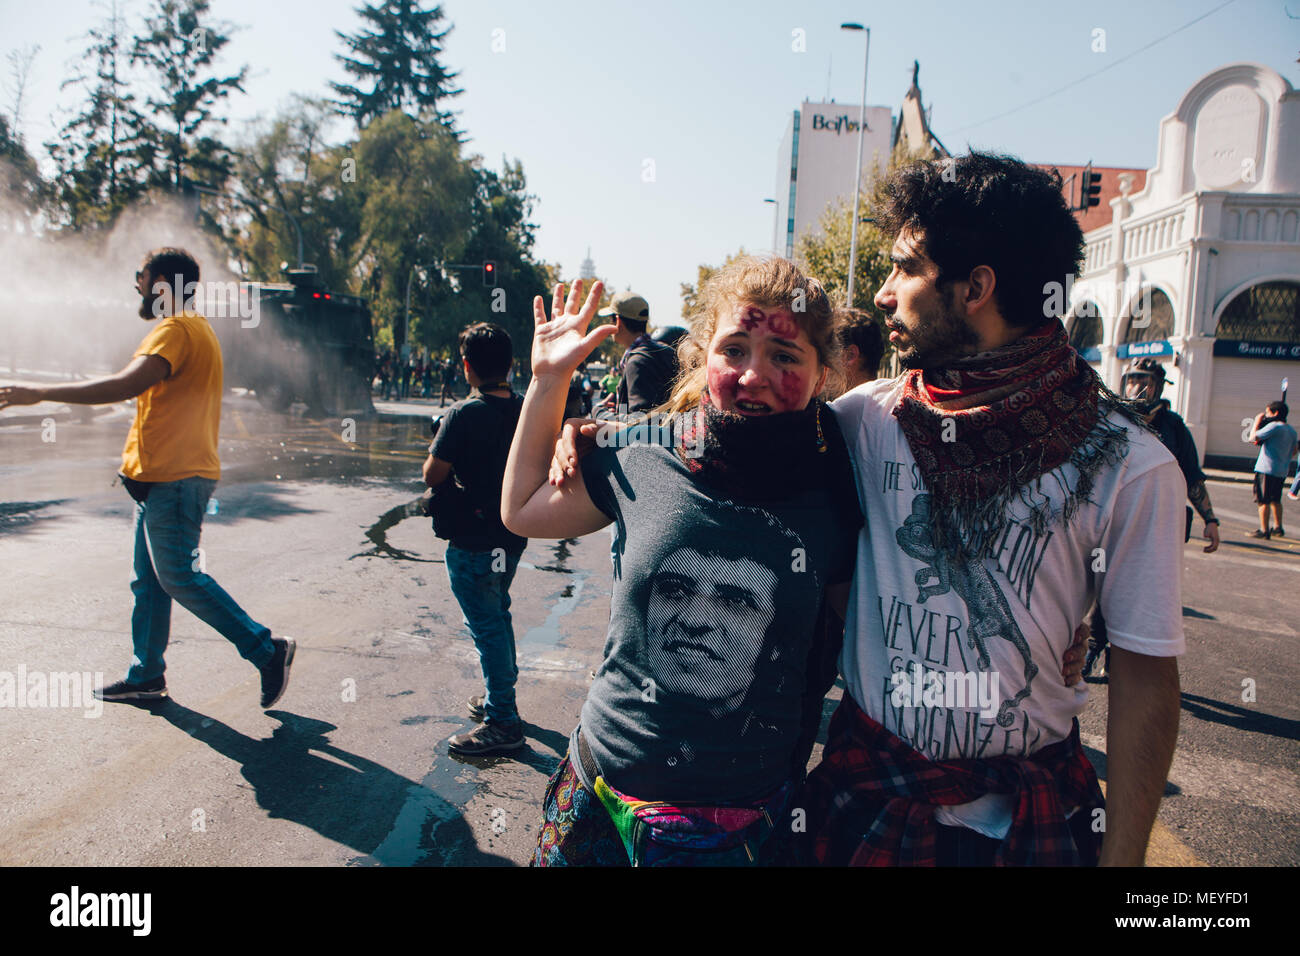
[763, 457]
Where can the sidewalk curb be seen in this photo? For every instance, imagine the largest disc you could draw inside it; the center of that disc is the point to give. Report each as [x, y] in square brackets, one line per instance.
[1218, 474]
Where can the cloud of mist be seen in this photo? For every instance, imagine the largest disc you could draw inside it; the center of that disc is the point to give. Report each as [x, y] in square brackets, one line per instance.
[68, 303]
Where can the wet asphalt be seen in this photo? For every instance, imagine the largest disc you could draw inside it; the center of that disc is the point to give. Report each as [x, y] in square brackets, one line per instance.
[317, 533]
[320, 538]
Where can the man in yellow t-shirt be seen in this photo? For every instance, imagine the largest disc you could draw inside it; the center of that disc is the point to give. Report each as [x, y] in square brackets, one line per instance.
[170, 467]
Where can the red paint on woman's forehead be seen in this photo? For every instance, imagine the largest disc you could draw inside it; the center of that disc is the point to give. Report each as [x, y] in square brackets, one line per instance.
[777, 322]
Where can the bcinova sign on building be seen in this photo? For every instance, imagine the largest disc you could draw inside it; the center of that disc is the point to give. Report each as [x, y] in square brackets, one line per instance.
[817, 160]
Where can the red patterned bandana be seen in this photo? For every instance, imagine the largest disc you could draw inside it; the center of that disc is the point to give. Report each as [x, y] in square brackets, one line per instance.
[985, 429]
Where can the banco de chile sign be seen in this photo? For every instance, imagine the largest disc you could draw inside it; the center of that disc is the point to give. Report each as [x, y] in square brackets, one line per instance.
[1137, 349]
[1239, 348]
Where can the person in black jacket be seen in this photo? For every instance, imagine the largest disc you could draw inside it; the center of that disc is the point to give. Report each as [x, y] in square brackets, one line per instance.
[1142, 384]
[471, 447]
[648, 367]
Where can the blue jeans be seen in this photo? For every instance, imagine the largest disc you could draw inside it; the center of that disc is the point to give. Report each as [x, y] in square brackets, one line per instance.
[167, 566]
[484, 597]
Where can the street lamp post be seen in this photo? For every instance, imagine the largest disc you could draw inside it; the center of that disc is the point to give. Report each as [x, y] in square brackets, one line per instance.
[775, 209]
[857, 174]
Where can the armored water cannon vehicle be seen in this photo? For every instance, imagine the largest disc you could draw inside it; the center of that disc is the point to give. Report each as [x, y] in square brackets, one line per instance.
[300, 341]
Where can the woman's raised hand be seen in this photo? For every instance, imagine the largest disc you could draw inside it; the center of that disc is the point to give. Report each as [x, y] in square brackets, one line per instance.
[561, 342]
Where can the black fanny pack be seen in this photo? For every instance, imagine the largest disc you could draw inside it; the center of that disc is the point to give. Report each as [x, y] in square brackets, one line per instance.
[139, 490]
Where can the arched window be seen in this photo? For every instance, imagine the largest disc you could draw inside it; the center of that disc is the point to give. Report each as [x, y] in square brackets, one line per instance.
[1085, 326]
[1268, 312]
[1153, 318]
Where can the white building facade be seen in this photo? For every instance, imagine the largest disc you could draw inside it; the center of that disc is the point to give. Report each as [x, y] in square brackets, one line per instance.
[817, 160]
[1201, 268]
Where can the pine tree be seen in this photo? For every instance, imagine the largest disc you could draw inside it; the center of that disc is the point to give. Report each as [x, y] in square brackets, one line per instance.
[22, 190]
[395, 59]
[179, 48]
[107, 154]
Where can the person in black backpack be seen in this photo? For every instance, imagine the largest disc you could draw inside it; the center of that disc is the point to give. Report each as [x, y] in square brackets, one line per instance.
[649, 367]
[470, 450]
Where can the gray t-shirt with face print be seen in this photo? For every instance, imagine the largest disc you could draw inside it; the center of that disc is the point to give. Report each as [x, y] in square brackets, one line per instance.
[700, 696]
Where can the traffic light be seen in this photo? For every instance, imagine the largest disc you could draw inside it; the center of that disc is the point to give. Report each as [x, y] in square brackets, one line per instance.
[1090, 189]
[489, 273]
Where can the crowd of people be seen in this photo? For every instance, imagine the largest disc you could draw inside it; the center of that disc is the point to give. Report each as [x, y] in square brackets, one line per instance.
[936, 539]
[399, 379]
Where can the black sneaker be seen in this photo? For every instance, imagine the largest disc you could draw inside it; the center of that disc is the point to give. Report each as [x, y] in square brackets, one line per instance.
[488, 738]
[155, 689]
[275, 675]
[476, 710]
[1278, 532]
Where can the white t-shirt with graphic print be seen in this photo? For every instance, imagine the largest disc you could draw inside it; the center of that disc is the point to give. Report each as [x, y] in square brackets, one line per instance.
[965, 661]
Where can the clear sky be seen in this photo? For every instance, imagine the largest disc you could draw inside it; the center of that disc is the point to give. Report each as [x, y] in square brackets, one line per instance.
[585, 93]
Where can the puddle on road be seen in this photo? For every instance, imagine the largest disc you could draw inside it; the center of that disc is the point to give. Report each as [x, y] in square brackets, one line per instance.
[548, 633]
[562, 550]
[378, 534]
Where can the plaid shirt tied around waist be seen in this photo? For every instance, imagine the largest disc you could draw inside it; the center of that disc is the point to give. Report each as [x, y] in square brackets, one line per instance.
[872, 798]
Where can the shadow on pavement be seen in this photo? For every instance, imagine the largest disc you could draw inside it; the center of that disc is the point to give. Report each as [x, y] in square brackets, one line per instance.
[18, 516]
[1240, 718]
[1098, 759]
[347, 799]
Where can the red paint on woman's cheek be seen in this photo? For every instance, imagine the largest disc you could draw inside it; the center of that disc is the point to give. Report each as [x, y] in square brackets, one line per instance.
[793, 389]
[722, 386]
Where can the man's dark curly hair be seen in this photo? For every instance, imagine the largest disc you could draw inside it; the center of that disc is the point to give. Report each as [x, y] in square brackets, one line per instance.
[993, 210]
[487, 348]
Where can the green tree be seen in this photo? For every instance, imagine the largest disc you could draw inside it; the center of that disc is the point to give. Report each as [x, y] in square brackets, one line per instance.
[288, 177]
[691, 292]
[179, 49]
[417, 208]
[106, 155]
[826, 256]
[394, 61]
[22, 190]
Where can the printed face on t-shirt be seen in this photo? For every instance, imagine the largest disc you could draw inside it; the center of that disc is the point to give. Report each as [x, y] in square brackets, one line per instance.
[706, 622]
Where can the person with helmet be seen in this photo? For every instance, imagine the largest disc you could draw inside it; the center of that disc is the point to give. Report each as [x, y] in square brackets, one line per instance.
[1142, 383]
[669, 335]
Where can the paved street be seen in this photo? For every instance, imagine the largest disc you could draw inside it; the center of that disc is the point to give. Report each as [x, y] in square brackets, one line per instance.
[317, 538]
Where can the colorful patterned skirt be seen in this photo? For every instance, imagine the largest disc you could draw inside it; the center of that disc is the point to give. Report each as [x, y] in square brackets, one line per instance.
[576, 828]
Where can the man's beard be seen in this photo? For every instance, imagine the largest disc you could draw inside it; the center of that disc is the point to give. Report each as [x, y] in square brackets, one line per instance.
[942, 336]
[147, 306]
